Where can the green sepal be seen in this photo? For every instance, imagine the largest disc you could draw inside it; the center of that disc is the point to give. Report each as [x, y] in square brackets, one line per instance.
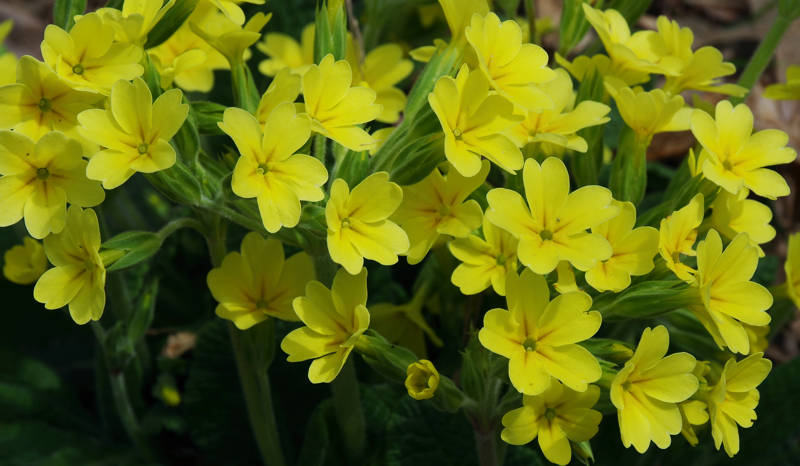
[419, 159]
[629, 170]
[573, 26]
[64, 12]
[330, 33]
[138, 246]
[207, 116]
[170, 22]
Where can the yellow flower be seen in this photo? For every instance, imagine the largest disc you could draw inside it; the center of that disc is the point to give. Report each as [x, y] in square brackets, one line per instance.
[134, 131]
[336, 109]
[649, 112]
[792, 268]
[647, 390]
[78, 277]
[677, 234]
[552, 226]
[438, 206]
[258, 283]
[729, 298]
[269, 169]
[334, 320]
[473, 121]
[485, 262]
[422, 380]
[39, 179]
[358, 222]
[602, 65]
[136, 19]
[557, 417]
[231, 39]
[285, 87]
[459, 13]
[24, 263]
[733, 399]
[8, 68]
[788, 91]
[514, 69]
[539, 336]
[232, 10]
[633, 248]
[381, 70]
[732, 214]
[87, 56]
[285, 52]
[565, 278]
[735, 158]
[694, 411]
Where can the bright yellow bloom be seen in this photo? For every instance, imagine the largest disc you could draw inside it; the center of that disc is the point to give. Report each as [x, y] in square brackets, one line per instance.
[485, 262]
[552, 226]
[136, 19]
[633, 248]
[647, 390]
[422, 380]
[87, 56]
[788, 91]
[232, 10]
[514, 69]
[792, 268]
[733, 399]
[258, 283]
[729, 298]
[473, 121]
[134, 131]
[39, 179]
[78, 277]
[285, 87]
[733, 214]
[459, 13]
[334, 320]
[358, 222]
[269, 169]
[602, 65]
[649, 112]
[285, 52]
[336, 109]
[557, 417]
[230, 39]
[381, 70]
[25, 263]
[438, 206]
[677, 235]
[539, 336]
[734, 158]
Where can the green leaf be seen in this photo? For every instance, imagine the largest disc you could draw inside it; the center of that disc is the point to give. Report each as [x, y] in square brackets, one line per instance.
[170, 22]
[64, 12]
[330, 33]
[138, 246]
[573, 25]
[208, 115]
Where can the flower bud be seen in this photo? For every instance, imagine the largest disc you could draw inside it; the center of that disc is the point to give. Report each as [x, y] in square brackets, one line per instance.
[422, 380]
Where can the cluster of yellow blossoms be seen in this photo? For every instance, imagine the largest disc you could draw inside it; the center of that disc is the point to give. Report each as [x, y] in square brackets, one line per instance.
[568, 256]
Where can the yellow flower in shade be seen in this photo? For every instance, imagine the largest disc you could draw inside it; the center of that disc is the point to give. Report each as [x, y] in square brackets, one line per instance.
[87, 56]
[334, 320]
[259, 283]
[136, 18]
[403, 324]
[677, 235]
[285, 87]
[558, 126]
[336, 109]
[792, 268]
[134, 131]
[285, 52]
[694, 411]
[231, 39]
[268, 168]
[565, 278]
[78, 277]
[786, 91]
[633, 248]
[514, 69]
[729, 299]
[556, 417]
[583, 65]
[40, 101]
[473, 121]
[438, 206]
[734, 158]
[647, 390]
[649, 112]
[358, 222]
[24, 263]
[232, 10]
[732, 214]
[539, 336]
[552, 226]
[734, 398]
[39, 179]
[422, 380]
[484, 262]
[381, 70]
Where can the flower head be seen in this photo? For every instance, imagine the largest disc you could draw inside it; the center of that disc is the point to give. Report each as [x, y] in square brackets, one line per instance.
[285, 87]
[786, 91]
[24, 263]
[732, 214]
[677, 235]
[136, 18]
[229, 38]
[381, 70]
[232, 10]
[459, 13]
[485, 261]
[649, 112]
[583, 66]
[422, 379]
[285, 52]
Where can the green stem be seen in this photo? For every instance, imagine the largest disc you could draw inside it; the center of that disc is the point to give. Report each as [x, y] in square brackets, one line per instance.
[530, 12]
[320, 147]
[349, 414]
[177, 224]
[486, 444]
[763, 55]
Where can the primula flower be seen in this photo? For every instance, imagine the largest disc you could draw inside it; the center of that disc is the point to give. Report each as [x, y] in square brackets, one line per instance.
[232, 10]
[734, 158]
[136, 18]
[473, 121]
[539, 336]
[285, 52]
[438, 206]
[24, 263]
[729, 299]
[78, 277]
[458, 14]
[231, 39]
[336, 109]
[556, 417]
[647, 390]
[39, 179]
[381, 70]
[269, 169]
[134, 131]
[552, 226]
[633, 248]
[8, 68]
[334, 320]
[259, 282]
[785, 91]
[484, 262]
[732, 214]
[513, 69]
[403, 324]
[677, 235]
[733, 399]
[694, 411]
[87, 56]
[792, 269]
[649, 112]
[583, 66]
[422, 380]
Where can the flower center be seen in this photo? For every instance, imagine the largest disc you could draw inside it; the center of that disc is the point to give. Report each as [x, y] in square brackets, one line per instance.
[444, 210]
[143, 148]
[42, 173]
[457, 133]
[727, 165]
[345, 222]
[546, 235]
[550, 414]
[262, 304]
[626, 385]
[45, 104]
[78, 69]
[262, 169]
[529, 344]
[501, 260]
